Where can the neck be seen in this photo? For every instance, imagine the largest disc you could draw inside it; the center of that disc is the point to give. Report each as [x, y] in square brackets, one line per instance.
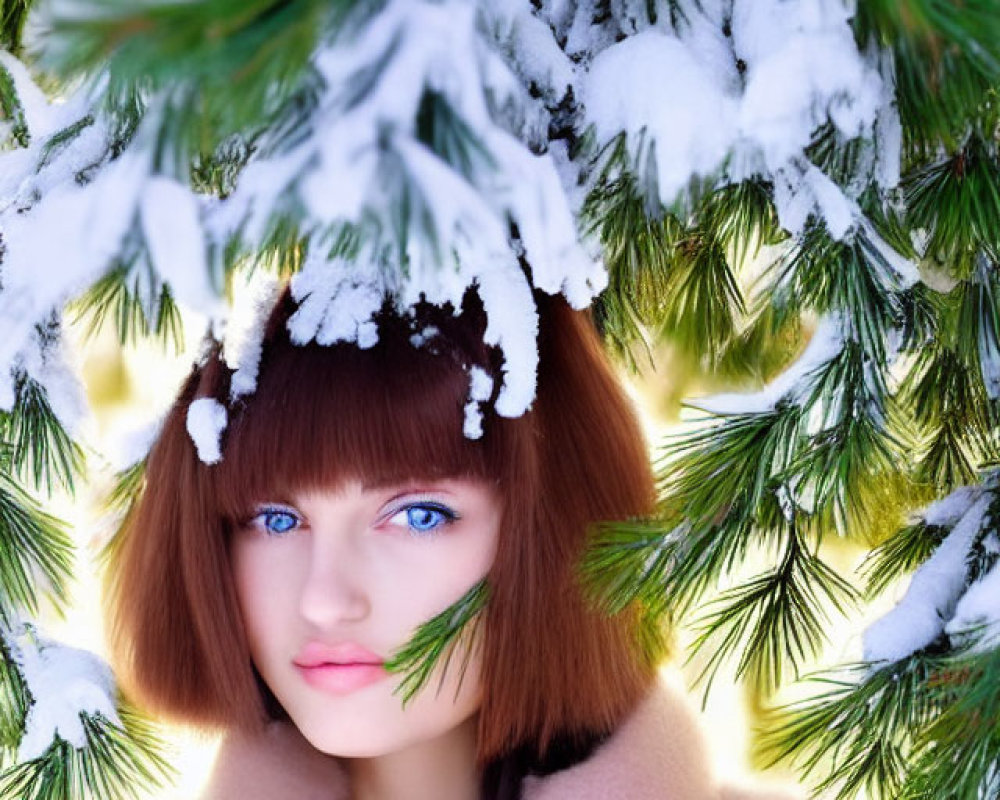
[436, 769]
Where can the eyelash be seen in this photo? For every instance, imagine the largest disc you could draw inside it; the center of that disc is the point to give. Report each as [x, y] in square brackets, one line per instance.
[447, 517]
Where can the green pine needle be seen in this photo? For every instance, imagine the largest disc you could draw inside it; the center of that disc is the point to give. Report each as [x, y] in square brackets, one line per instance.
[705, 301]
[227, 63]
[851, 276]
[626, 562]
[638, 256]
[774, 621]
[128, 487]
[958, 753]
[13, 14]
[855, 447]
[900, 554]
[11, 111]
[946, 62]
[858, 733]
[117, 298]
[116, 762]
[438, 637]
[949, 403]
[956, 200]
[33, 546]
[729, 468]
[14, 703]
[41, 450]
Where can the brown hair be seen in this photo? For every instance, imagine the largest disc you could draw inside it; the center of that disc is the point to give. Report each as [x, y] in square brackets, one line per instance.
[554, 669]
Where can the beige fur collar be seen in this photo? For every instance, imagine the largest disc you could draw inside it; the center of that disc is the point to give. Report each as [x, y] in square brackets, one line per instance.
[657, 754]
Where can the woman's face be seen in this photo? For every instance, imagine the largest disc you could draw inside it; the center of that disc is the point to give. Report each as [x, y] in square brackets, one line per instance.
[342, 577]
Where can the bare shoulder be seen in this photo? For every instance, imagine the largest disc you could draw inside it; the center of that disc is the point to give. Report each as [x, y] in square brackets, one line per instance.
[278, 762]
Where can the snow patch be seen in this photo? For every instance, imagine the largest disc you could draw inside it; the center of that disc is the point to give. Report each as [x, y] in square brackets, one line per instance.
[244, 339]
[480, 389]
[206, 420]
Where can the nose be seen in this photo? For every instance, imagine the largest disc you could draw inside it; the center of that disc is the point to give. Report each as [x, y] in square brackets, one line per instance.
[334, 590]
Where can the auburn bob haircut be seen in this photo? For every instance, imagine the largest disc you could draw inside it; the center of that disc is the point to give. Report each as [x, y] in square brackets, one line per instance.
[554, 669]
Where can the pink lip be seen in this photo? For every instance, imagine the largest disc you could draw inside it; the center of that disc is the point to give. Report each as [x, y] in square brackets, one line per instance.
[341, 668]
[342, 678]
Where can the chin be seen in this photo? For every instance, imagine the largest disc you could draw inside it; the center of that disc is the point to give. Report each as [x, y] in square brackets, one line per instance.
[349, 744]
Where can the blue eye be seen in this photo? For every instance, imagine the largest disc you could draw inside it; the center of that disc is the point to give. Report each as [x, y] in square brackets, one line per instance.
[424, 518]
[277, 521]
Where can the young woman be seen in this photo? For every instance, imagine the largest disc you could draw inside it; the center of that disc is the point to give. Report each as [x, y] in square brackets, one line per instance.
[262, 595]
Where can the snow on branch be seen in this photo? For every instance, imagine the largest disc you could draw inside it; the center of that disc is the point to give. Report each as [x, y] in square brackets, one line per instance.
[937, 586]
[64, 682]
[747, 104]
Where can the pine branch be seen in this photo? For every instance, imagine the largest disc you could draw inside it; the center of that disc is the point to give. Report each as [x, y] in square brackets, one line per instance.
[951, 406]
[720, 480]
[129, 484]
[439, 636]
[705, 299]
[742, 217]
[32, 545]
[116, 762]
[128, 487]
[851, 276]
[859, 732]
[41, 450]
[625, 562]
[136, 303]
[777, 620]
[947, 60]
[854, 448]
[958, 753]
[956, 200]
[638, 255]
[228, 64]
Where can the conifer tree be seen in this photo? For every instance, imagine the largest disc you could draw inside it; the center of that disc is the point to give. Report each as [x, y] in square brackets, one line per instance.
[799, 197]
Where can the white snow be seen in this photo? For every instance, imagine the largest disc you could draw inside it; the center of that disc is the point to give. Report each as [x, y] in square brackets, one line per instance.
[472, 428]
[935, 588]
[530, 46]
[91, 222]
[64, 682]
[424, 335]
[682, 106]
[952, 507]
[206, 420]
[46, 363]
[337, 300]
[977, 614]
[801, 190]
[41, 118]
[172, 231]
[244, 338]
[480, 389]
[131, 446]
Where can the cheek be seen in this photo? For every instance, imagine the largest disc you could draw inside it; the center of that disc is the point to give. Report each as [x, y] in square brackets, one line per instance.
[260, 583]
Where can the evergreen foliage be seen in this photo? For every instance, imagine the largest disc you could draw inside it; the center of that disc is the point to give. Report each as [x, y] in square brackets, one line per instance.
[823, 240]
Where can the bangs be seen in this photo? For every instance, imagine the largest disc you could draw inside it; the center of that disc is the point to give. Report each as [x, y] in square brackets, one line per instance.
[322, 415]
